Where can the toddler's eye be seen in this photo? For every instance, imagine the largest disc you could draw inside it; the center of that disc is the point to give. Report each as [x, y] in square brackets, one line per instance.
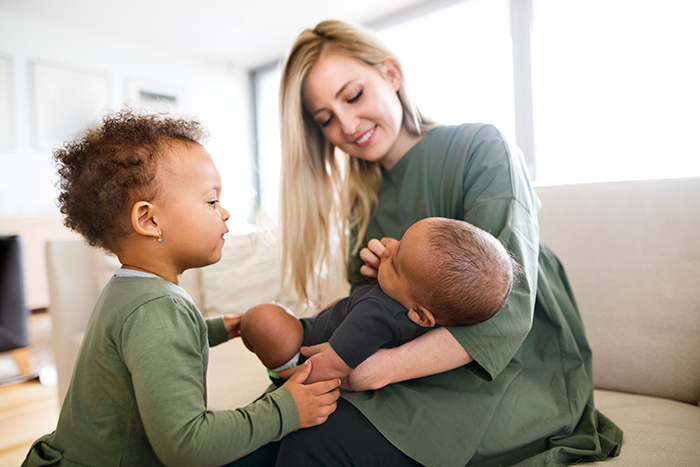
[213, 203]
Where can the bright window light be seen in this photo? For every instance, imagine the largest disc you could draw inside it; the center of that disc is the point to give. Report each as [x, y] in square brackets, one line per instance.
[615, 87]
[458, 62]
[268, 134]
[614, 84]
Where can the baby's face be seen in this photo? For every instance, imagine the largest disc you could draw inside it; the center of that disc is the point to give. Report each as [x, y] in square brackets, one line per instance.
[403, 263]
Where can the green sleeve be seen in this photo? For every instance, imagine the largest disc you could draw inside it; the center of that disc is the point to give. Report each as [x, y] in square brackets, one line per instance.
[217, 330]
[499, 199]
[164, 345]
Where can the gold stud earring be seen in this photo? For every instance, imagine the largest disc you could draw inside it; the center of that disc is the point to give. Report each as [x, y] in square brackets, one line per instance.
[158, 239]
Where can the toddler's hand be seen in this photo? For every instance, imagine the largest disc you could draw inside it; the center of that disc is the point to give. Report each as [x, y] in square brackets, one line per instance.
[371, 256]
[232, 323]
[315, 402]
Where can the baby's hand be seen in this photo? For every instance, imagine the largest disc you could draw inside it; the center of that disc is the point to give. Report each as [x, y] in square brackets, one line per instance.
[315, 402]
[371, 256]
[232, 323]
[326, 362]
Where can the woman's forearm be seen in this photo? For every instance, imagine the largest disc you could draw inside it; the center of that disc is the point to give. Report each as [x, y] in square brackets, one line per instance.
[434, 352]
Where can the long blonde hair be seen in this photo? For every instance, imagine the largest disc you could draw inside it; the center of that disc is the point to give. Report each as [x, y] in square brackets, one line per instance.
[324, 191]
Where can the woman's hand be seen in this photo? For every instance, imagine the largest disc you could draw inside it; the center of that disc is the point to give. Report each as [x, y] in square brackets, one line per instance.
[232, 323]
[371, 256]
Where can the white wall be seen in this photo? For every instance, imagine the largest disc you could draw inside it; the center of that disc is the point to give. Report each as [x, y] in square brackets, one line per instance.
[216, 93]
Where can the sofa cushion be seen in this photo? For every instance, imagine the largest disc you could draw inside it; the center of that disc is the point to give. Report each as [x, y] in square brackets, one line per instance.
[632, 254]
[249, 273]
[235, 377]
[657, 431]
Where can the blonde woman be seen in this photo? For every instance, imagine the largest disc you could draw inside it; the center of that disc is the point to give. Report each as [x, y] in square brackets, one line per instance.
[360, 164]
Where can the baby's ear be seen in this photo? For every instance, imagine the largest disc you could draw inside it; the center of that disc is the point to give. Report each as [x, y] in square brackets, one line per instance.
[143, 219]
[421, 316]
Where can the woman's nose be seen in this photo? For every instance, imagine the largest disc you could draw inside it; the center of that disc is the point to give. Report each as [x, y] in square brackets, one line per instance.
[348, 122]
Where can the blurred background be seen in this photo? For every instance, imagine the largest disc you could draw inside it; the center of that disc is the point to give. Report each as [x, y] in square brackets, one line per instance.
[590, 90]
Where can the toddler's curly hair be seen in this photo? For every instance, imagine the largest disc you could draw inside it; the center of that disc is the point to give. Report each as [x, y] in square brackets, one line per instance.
[113, 165]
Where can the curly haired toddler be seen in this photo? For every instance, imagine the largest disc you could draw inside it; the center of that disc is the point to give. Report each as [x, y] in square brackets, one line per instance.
[143, 188]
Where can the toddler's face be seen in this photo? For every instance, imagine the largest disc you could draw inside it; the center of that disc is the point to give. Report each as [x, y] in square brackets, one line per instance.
[192, 220]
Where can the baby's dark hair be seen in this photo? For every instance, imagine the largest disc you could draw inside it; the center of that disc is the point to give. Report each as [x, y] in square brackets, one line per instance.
[113, 165]
[472, 276]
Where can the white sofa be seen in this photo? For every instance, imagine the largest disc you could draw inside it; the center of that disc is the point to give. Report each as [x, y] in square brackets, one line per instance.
[632, 252]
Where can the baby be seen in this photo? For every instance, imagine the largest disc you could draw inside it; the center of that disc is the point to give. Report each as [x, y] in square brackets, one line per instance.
[442, 272]
[143, 188]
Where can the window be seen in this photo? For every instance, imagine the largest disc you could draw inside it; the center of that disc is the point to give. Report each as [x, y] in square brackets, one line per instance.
[612, 84]
[269, 153]
[615, 89]
[459, 67]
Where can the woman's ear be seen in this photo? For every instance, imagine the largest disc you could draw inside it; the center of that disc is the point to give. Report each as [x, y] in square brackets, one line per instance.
[421, 316]
[143, 219]
[392, 73]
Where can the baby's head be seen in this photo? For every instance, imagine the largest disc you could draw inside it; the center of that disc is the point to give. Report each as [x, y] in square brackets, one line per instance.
[448, 272]
[142, 178]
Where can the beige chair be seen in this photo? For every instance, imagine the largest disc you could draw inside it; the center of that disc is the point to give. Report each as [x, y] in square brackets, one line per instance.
[74, 286]
[76, 276]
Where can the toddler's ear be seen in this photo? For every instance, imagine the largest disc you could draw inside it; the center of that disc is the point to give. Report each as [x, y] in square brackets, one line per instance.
[143, 220]
[421, 316]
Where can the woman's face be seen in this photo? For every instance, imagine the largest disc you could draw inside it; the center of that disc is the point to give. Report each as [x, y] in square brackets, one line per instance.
[357, 107]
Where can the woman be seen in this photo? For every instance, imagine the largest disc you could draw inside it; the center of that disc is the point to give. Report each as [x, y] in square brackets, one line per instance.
[519, 386]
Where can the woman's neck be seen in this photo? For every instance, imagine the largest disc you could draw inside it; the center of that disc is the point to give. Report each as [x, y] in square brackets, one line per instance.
[404, 142]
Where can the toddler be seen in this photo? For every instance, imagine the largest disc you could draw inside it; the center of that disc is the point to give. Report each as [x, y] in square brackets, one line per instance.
[142, 187]
[442, 272]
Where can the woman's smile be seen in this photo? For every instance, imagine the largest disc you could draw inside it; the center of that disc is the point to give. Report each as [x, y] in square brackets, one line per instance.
[366, 137]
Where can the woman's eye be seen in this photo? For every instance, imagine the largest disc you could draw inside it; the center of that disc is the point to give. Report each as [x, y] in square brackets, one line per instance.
[325, 122]
[356, 96]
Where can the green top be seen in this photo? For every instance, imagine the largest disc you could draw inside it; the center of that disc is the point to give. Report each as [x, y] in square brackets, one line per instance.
[138, 392]
[528, 396]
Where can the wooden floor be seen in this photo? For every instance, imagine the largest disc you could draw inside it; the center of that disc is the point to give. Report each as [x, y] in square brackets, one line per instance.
[27, 411]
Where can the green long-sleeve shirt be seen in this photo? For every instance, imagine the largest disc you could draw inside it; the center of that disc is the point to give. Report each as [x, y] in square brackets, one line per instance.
[528, 396]
[138, 392]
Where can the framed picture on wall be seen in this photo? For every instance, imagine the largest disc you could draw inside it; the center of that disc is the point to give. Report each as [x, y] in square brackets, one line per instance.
[6, 120]
[156, 96]
[65, 101]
